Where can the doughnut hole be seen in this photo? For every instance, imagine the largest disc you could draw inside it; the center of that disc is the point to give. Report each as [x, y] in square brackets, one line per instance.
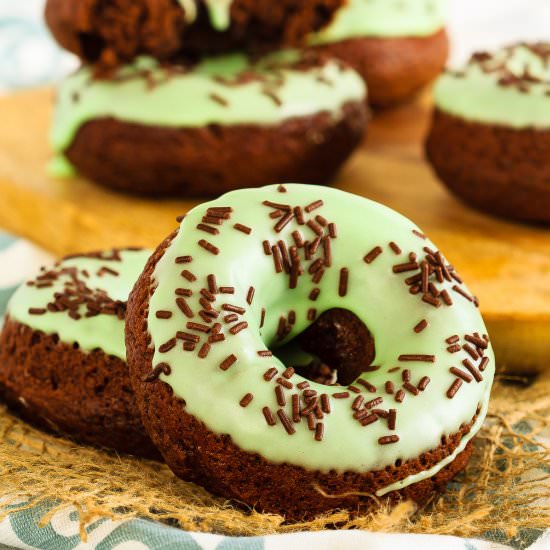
[342, 343]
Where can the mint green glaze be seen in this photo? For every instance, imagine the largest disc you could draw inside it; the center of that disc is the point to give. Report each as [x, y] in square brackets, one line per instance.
[219, 12]
[376, 295]
[475, 95]
[105, 332]
[414, 478]
[185, 99]
[189, 9]
[384, 19]
[61, 167]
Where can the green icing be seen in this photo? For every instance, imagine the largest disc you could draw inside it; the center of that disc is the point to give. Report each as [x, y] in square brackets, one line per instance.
[375, 294]
[219, 12]
[145, 93]
[105, 332]
[475, 93]
[414, 478]
[189, 9]
[383, 18]
[61, 167]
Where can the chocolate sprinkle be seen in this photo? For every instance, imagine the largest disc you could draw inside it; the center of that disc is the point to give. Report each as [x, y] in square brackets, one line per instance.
[197, 326]
[161, 368]
[243, 228]
[184, 307]
[451, 392]
[314, 205]
[461, 374]
[417, 357]
[424, 381]
[473, 370]
[392, 419]
[245, 401]
[268, 415]
[167, 346]
[421, 326]
[280, 395]
[205, 350]
[209, 247]
[270, 374]
[343, 282]
[395, 248]
[387, 439]
[235, 329]
[207, 229]
[319, 431]
[228, 362]
[373, 254]
[286, 422]
[188, 275]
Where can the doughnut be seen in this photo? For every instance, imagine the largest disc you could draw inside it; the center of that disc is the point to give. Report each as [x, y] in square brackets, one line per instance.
[397, 46]
[489, 141]
[301, 349]
[204, 130]
[116, 31]
[62, 351]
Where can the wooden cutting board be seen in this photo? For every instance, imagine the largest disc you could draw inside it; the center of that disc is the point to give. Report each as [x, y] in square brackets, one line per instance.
[507, 265]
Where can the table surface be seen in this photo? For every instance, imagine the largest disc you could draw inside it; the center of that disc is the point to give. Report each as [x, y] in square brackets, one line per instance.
[506, 264]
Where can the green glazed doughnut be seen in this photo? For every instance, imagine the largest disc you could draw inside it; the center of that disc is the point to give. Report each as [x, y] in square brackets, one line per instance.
[258, 274]
[489, 141]
[508, 87]
[202, 128]
[397, 46]
[62, 351]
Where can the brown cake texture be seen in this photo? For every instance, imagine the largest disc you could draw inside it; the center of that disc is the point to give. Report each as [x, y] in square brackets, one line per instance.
[211, 160]
[110, 32]
[58, 387]
[395, 69]
[497, 169]
[212, 460]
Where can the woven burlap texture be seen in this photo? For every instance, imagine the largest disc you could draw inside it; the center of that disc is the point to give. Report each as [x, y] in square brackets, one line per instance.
[505, 487]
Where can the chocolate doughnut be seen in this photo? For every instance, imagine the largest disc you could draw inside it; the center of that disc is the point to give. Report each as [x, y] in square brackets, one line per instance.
[111, 32]
[489, 141]
[208, 128]
[298, 348]
[397, 46]
[62, 352]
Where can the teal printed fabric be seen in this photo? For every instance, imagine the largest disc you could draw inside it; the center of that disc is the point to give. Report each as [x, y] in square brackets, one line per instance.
[20, 530]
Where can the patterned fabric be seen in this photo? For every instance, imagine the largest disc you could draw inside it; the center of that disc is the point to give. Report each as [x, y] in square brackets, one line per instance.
[20, 530]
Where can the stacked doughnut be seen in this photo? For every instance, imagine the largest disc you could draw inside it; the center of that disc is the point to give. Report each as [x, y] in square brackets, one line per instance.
[295, 348]
[198, 97]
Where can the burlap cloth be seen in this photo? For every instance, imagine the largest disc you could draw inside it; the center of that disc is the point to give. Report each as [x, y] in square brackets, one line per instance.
[505, 488]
